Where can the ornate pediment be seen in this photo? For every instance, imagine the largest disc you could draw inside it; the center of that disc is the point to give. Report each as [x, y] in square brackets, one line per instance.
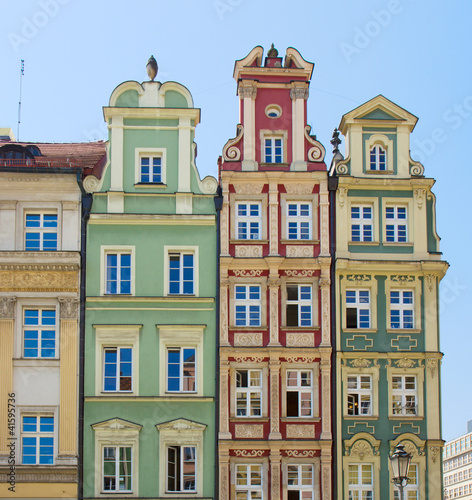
[116, 424]
[181, 424]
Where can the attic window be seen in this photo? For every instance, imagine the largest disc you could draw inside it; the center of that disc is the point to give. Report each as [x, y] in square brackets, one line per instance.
[273, 111]
[15, 152]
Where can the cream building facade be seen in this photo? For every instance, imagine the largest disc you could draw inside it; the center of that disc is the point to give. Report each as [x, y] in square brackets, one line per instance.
[457, 466]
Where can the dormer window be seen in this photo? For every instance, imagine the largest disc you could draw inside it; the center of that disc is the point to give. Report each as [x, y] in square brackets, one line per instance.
[378, 158]
[273, 150]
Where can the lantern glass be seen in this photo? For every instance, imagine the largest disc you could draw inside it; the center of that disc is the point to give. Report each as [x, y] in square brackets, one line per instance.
[400, 461]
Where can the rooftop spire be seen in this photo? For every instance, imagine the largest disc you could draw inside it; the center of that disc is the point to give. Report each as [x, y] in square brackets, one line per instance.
[335, 141]
[272, 52]
[151, 68]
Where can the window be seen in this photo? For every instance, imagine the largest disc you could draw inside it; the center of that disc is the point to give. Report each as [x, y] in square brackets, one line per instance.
[360, 481]
[248, 482]
[249, 393]
[361, 223]
[117, 468]
[181, 369]
[401, 309]
[299, 303]
[298, 221]
[396, 224]
[300, 482]
[410, 491]
[404, 395]
[357, 309]
[248, 305]
[248, 221]
[299, 393]
[181, 273]
[378, 158]
[39, 333]
[40, 231]
[118, 273]
[273, 111]
[150, 169]
[359, 395]
[118, 369]
[37, 440]
[273, 150]
[181, 470]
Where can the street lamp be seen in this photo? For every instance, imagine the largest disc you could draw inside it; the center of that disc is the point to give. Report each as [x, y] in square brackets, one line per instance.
[400, 461]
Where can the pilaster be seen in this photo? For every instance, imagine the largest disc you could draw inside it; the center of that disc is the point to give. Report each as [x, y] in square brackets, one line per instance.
[298, 94]
[247, 92]
[224, 432]
[274, 377]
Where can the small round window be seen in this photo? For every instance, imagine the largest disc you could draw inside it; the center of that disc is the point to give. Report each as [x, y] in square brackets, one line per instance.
[273, 111]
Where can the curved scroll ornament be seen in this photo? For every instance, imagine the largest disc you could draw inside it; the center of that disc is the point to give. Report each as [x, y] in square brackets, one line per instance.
[342, 168]
[317, 152]
[249, 453]
[209, 185]
[91, 184]
[300, 453]
[230, 151]
[416, 168]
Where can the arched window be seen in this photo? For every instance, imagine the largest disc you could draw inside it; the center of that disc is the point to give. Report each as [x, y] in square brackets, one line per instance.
[378, 158]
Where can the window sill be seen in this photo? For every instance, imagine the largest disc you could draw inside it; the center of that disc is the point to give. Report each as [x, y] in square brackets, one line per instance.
[299, 242]
[299, 328]
[248, 242]
[43, 362]
[106, 394]
[367, 243]
[265, 164]
[403, 330]
[360, 330]
[405, 417]
[379, 172]
[249, 328]
[361, 417]
[150, 185]
[302, 420]
[249, 420]
[397, 244]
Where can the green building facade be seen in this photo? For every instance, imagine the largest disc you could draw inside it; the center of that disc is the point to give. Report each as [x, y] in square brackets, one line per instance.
[387, 273]
[149, 375]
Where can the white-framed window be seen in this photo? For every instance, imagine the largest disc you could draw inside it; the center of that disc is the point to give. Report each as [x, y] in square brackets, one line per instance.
[248, 393]
[41, 230]
[361, 482]
[402, 309]
[181, 273]
[362, 223]
[299, 220]
[396, 224]
[359, 395]
[181, 369]
[181, 469]
[299, 393]
[118, 273]
[404, 395]
[299, 305]
[118, 369]
[117, 469]
[410, 491]
[37, 439]
[300, 482]
[249, 481]
[358, 309]
[39, 332]
[248, 220]
[378, 158]
[150, 166]
[247, 305]
[273, 150]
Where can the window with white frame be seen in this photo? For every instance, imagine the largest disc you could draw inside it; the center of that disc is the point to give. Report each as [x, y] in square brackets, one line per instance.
[361, 482]
[357, 308]
[299, 221]
[181, 369]
[410, 490]
[404, 395]
[248, 393]
[300, 482]
[401, 309]
[299, 395]
[118, 273]
[362, 223]
[299, 305]
[378, 158]
[396, 227]
[117, 469]
[118, 369]
[150, 169]
[181, 273]
[249, 482]
[37, 439]
[181, 469]
[39, 333]
[359, 395]
[41, 231]
[247, 305]
[248, 220]
[273, 150]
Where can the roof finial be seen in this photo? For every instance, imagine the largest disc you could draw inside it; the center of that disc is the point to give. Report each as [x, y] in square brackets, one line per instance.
[151, 68]
[335, 141]
[272, 52]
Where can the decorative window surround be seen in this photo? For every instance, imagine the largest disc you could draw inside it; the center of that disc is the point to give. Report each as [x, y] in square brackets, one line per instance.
[300, 281]
[106, 250]
[262, 368]
[38, 438]
[260, 199]
[251, 281]
[387, 145]
[140, 153]
[258, 485]
[358, 309]
[371, 370]
[273, 136]
[312, 200]
[401, 283]
[407, 204]
[362, 230]
[248, 220]
[373, 202]
[418, 392]
[40, 208]
[363, 282]
[313, 389]
[182, 251]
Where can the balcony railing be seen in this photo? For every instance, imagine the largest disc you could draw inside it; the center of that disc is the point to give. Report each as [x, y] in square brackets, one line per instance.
[40, 163]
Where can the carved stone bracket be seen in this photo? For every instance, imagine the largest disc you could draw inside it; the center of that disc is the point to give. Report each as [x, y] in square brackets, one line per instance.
[434, 450]
[430, 281]
[420, 195]
[299, 93]
[432, 364]
[7, 307]
[69, 308]
[247, 91]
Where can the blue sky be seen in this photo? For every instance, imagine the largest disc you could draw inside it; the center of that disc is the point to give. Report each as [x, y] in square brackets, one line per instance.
[414, 52]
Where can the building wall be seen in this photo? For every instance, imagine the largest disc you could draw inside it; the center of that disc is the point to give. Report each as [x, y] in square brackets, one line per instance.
[457, 467]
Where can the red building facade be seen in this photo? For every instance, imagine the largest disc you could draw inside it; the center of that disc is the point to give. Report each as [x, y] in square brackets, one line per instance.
[275, 436]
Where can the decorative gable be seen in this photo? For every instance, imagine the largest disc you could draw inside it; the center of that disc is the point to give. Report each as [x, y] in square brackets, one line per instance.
[116, 424]
[179, 425]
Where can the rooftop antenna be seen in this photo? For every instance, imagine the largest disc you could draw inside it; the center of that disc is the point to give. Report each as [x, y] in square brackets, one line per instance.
[19, 102]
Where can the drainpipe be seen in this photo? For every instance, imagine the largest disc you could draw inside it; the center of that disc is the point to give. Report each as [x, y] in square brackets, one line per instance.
[332, 188]
[218, 206]
[86, 207]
